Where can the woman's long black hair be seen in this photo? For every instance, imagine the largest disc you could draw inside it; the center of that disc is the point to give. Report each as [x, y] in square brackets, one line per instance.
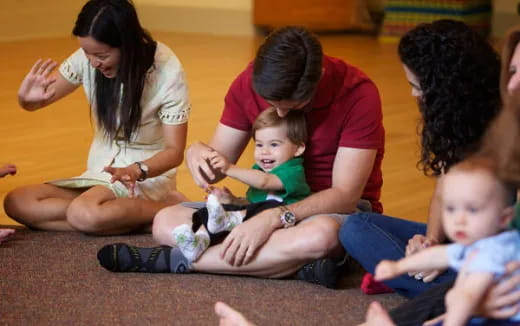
[115, 23]
[458, 72]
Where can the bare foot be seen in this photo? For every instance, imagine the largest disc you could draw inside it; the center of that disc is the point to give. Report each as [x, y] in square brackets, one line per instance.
[4, 233]
[224, 195]
[229, 316]
[377, 316]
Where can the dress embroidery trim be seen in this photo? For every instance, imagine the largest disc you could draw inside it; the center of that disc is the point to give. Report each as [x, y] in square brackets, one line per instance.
[172, 115]
[68, 73]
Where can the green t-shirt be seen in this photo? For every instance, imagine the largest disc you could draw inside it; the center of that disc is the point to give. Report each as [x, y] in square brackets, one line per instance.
[292, 176]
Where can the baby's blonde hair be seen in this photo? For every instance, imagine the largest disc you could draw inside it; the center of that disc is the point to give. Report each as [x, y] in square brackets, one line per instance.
[481, 163]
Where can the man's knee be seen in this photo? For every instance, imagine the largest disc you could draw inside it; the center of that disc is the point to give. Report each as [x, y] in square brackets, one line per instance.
[321, 237]
[165, 221]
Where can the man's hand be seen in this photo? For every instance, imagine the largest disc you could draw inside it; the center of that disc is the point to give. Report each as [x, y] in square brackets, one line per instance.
[417, 243]
[502, 301]
[198, 156]
[244, 240]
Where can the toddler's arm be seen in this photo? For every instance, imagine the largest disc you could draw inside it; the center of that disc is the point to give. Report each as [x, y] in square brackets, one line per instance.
[254, 178]
[463, 299]
[427, 259]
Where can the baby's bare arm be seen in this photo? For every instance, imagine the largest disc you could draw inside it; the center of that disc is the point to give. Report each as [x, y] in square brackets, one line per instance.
[427, 259]
[462, 300]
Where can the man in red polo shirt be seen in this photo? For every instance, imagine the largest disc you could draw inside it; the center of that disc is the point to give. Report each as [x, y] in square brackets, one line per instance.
[342, 164]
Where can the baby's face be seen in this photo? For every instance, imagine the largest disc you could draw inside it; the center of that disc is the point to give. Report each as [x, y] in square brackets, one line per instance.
[473, 206]
[273, 147]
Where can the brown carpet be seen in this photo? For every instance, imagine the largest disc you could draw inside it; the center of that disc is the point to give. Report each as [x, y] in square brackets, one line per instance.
[53, 278]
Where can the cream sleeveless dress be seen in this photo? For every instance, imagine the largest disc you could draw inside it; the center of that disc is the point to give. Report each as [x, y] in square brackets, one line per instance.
[164, 101]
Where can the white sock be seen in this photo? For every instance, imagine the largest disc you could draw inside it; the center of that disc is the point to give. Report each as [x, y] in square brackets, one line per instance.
[192, 245]
[220, 220]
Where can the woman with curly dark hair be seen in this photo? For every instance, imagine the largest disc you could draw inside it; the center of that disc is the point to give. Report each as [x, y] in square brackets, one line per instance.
[454, 74]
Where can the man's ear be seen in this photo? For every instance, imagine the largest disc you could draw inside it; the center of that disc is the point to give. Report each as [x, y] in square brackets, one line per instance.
[299, 150]
[507, 216]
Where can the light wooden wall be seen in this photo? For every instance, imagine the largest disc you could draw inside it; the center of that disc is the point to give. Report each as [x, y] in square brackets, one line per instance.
[28, 19]
[53, 143]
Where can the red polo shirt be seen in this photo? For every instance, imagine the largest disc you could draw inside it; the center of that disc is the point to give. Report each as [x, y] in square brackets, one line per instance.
[346, 112]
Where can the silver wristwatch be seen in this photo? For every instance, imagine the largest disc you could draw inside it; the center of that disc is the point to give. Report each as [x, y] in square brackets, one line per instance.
[144, 171]
[287, 217]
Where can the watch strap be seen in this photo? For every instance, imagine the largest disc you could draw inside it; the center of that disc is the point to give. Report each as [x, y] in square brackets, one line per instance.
[287, 217]
[144, 171]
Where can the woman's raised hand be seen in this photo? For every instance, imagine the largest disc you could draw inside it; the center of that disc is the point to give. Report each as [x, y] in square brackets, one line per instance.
[36, 89]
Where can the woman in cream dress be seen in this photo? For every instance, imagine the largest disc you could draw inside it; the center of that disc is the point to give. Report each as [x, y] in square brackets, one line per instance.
[139, 100]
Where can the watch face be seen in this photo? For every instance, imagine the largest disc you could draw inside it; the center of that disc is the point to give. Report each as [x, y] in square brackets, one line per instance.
[289, 217]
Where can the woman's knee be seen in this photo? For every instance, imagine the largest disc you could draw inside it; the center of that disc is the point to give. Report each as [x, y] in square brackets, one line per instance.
[15, 203]
[353, 231]
[84, 216]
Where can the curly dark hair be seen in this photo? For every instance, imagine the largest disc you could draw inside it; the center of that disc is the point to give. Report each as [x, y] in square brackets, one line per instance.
[459, 75]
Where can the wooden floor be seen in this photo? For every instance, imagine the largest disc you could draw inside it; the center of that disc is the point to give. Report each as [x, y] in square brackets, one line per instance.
[53, 142]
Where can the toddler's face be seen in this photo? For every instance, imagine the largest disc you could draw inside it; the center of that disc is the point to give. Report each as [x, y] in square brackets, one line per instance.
[273, 147]
[473, 206]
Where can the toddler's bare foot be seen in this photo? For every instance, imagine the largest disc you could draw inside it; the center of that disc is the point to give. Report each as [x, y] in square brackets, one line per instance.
[377, 316]
[224, 195]
[229, 316]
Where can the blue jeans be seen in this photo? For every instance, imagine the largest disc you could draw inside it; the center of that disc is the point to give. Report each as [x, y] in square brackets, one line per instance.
[487, 322]
[371, 237]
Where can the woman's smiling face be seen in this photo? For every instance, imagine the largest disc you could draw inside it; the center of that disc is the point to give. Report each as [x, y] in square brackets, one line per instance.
[101, 56]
